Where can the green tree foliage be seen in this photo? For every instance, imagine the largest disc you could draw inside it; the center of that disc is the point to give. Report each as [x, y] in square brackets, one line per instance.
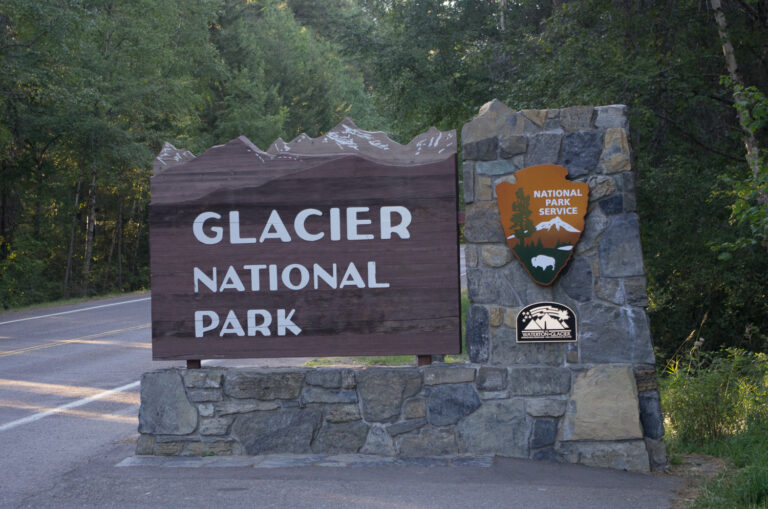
[522, 225]
[91, 88]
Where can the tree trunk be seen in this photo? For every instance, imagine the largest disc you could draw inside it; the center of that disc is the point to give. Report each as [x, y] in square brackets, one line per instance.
[90, 232]
[750, 141]
[68, 270]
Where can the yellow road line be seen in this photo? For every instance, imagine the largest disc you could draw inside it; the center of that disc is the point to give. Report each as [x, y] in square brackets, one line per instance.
[61, 342]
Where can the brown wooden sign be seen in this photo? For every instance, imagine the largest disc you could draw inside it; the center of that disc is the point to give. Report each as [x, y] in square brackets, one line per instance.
[341, 245]
[543, 217]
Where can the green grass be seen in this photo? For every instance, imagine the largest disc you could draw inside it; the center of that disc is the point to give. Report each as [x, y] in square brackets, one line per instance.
[399, 360]
[73, 300]
[717, 404]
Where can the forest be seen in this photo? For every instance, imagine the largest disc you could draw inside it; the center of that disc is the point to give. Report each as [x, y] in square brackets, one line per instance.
[90, 90]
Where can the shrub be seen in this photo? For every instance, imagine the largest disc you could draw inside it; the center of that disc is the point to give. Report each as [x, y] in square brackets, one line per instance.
[707, 396]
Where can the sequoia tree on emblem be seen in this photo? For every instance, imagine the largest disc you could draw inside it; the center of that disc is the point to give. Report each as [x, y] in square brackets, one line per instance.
[543, 217]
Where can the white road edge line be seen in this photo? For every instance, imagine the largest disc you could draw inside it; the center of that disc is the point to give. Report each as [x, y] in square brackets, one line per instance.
[74, 404]
[77, 310]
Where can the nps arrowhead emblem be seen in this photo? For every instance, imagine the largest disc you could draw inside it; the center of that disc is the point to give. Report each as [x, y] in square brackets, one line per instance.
[543, 216]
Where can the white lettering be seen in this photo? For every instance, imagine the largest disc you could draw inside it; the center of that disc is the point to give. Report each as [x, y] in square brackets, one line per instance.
[401, 229]
[255, 269]
[352, 278]
[300, 228]
[275, 229]
[231, 281]
[200, 235]
[263, 328]
[353, 222]
[200, 327]
[372, 277]
[231, 325]
[284, 323]
[335, 224]
[303, 273]
[320, 273]
[202, 277]
[234, 230]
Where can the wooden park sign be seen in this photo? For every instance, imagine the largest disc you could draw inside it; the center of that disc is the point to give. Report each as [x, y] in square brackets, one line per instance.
[341, 245]
[542, 214]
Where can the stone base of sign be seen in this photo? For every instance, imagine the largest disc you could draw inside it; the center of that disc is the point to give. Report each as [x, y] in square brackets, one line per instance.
[448, 410]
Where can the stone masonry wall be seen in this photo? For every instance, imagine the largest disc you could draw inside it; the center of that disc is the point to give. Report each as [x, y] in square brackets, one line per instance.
[604, 282]
[594, 402]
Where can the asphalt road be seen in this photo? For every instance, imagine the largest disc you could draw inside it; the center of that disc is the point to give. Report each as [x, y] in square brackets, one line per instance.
[68, 415]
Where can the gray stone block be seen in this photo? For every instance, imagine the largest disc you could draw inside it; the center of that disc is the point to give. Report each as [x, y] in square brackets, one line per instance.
[543, 148]
[628, 188]
[321, 395]
[511, 146]
[323, 377]
[342, 413]
[378, 442]
[610, 290]
[145, 445]
[201, 378]
[485, 286]
[496, 255]
[506, 352]
[611, 334]
[437, 375]
[203, 395]
[382, 392]
[447, 404]
[263, 385]
[210, 447]
[498, 427]
[206, 410]
[635, 289]
[516, 287]
[215, 425]
[494, 119]
[630, 455]
[470, 255]
[581, 152]
[340, 438]
[482, 223]
[651, 416]
[496, 168]
[576, 118]
[545, 407]
[611, 116]
[428, 442]
[242, 406]
[612, 205]
[491, 379]
[544, 432]
[576, 280]
[468, 181]
[596, 223]
[493, 394]
[600, 186]
[481, 150]
[289, 430]
[478, 333]
[402, 427]
[657, 454]
[603, 405]
[539, 381]
[165, 409]
[415, 408]
[619, 250]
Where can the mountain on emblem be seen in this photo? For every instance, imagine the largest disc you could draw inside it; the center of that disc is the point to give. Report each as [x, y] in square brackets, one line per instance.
[557, 224]
[543, 216]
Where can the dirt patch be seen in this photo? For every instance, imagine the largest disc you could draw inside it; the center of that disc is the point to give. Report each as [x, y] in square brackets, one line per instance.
[696, 469]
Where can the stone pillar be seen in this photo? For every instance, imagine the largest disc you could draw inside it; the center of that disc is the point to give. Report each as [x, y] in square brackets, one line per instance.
[613, 415]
